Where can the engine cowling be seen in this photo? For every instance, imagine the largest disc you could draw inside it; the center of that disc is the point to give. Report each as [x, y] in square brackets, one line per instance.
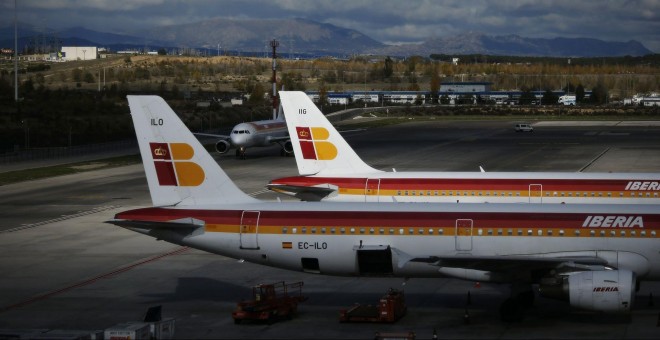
[606, 290]
[287, 146]
[222, 146]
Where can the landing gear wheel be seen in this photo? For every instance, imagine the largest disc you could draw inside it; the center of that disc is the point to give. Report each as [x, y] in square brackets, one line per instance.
[240, 153]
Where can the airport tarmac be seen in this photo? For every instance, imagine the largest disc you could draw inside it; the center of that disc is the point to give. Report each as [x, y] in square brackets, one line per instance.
[63, 268]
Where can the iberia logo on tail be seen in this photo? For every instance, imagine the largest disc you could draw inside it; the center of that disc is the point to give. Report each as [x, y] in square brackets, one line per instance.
[173, 167]
[314, 144]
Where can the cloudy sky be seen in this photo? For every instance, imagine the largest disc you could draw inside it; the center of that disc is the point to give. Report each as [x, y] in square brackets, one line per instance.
[389, 21]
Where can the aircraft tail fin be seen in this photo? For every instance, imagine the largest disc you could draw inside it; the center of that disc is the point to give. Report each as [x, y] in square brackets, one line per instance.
[179, 170]
[318, 147]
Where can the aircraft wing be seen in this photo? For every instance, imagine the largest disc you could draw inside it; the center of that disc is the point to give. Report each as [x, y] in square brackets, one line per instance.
[184, 226]
[210, 135]
[273, 139]
[506, 268]
[305, 193]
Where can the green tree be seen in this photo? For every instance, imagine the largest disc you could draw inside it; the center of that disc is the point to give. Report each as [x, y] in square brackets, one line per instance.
[388, 68]
[549, 98]
[435, 86]
[579, 93]
[599, 94]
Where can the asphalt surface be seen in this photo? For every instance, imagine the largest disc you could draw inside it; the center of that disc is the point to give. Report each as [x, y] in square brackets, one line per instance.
[63, 268]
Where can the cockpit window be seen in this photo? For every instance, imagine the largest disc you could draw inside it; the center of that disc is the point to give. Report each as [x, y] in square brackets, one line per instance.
[240, 132]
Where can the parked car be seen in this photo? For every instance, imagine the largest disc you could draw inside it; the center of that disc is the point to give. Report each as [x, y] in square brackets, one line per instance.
[524, 128]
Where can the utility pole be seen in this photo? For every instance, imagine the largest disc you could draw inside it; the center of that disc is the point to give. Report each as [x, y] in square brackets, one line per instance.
[274, 43]
[15, 52]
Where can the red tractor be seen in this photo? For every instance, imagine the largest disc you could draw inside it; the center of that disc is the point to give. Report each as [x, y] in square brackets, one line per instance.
[270, 302]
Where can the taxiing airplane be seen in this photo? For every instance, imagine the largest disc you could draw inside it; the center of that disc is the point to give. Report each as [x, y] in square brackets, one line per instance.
[254, 134]
[591, 255]
[330, 170]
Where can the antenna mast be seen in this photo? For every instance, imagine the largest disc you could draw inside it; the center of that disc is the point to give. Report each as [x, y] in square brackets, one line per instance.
[274, 43]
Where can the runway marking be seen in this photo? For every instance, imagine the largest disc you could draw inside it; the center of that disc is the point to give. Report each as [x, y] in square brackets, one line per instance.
[93, 280]
[62, 218]
[594, 160]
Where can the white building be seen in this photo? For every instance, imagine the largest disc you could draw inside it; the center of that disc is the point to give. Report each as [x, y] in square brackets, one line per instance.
[79, 53]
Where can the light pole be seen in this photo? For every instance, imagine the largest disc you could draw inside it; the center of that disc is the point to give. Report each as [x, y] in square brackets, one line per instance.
[15, 53]
[84, 58]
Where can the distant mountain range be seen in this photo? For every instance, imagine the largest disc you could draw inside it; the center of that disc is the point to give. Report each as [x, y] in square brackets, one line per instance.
[301, 36]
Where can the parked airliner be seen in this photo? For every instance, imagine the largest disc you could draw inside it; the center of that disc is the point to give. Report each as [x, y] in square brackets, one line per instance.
[591, 255]
[331, 170]
[254, 134]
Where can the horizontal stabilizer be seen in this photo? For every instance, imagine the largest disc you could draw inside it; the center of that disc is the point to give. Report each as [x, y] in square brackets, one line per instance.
[305, 193]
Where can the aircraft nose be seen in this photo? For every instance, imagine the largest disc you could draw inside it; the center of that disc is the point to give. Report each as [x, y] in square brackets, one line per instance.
[237, 139]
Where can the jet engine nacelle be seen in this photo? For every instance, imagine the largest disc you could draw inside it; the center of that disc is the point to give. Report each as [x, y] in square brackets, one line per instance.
[287, 146]
[605, 290]
[222, 146]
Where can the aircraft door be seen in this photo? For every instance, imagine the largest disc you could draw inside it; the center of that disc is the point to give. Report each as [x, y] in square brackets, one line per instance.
[372, 190]
[249, 229]
[535, 193]
[464, 234]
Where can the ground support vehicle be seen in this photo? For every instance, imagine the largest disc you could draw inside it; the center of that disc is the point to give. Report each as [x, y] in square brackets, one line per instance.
[390, 308]
[270, 302]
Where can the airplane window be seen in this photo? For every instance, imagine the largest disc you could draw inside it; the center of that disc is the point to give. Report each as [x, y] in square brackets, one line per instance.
[304, 230]
[436, 193]
[648, 194]
[480, 232]
[593, 194]
[441, 231]
[443, 193]
[428, 193]
[549, 232]
[642, 233]
[509, 232]
[592, 233]
[632, 194]
[430, 231]
[371, 231]
[332, 230]
[633, 233]
[609, 194]
[529, 232]
[612, 233]
[577, 233]
[600, 194]
[653, 233]
[398, 193]
[361, 230]
[421, 231]
[490, 232]
[495, 193]
[235, 132]
[284, 230]
[620, 194]
[421, 193]
[406, 192]
[322, 230]
[520, 232]
[313, 230]
[352, 230]
[294, 230]
[602, 233]
[382, 231]
[540, 232]
[655, 195]
[411, 231]
[342, 230]
[561, 232]
[391, 231]
[570, 194]
[623, 233]
[401, 231]
[451, 193]
[499, 232]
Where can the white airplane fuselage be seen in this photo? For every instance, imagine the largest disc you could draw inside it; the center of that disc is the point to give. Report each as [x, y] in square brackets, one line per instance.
[332, 235]
[258, 133]
[482, 187]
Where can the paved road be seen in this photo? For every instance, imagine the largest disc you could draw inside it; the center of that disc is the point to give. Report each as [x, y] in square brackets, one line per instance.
[75, 272]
